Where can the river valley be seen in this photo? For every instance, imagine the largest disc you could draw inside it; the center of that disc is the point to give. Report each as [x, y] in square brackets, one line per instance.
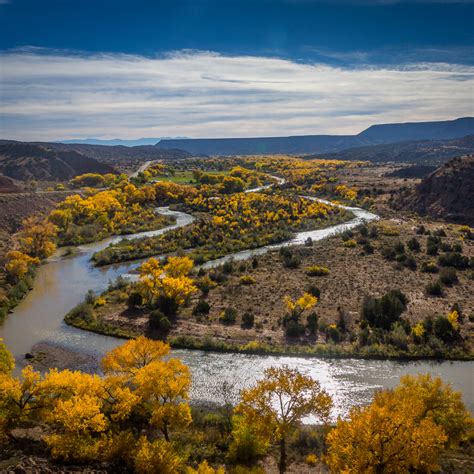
[63, 280]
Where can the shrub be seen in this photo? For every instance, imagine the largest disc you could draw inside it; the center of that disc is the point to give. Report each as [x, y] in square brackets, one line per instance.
[205, 284]
[254, 262]
[453, 259]
[429, 267]
[434, 288]
[373, 232]
[333, 333]
[317, 271]
[398, 337]
[202, 307]
[388, 252]
[351, 243]
[414, 245]
[135, 299]
[248, 319]
[347, 235]
[389, 231]
[420, 230]
[285, 252]
[364, 231]
[228, 316]
[117, 284]
[159, 321]
[82, 311]
[90, 297]
[410, 262]
[443, 330]
[292, 261]
[312, 323]
[246, 446]
[445, 247]
[399, 247]
[217, 276]
[157, 456]
[247, 280]
[368, 248]
[228, 266]
[383, 312]
[294, 328]
[314, 291]
[432, 245]
[448, 276]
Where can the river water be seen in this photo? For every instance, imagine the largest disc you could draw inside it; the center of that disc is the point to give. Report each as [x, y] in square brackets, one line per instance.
[62, 282]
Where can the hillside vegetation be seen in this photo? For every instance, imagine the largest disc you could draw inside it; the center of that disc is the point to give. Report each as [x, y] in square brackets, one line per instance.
[25, 162]
[447, 193]
[425, 152]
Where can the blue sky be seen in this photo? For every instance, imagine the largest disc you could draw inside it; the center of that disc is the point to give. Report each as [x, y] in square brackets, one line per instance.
[74, 69]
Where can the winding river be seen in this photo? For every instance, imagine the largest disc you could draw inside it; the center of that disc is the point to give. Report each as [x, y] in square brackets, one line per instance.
[63, 280]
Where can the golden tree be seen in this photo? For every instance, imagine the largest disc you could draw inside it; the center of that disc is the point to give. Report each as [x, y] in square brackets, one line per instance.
[163, 388]
[170, 282]
[298, 306]
[125, 360]
[441, 404]
[402, 430]
[161, 385]
[277, 405]
[18, 397]
[18, 264]
[37, 237]
[7, 362]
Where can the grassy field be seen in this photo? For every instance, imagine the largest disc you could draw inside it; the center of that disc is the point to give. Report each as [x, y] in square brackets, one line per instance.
[185, 177]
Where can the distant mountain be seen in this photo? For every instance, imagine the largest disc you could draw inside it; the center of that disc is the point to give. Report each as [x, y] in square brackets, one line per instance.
[422, 152]
[398, 132]
[447, 193]
[58, 161]
[318, 144]
[112, 153]
[116, 141]
[264, 146]
[26, 161]
[112, 142]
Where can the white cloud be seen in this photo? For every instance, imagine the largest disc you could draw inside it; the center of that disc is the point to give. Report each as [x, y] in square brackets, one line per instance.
[58, 95]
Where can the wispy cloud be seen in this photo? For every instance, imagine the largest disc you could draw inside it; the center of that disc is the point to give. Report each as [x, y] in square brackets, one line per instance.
[56, 95]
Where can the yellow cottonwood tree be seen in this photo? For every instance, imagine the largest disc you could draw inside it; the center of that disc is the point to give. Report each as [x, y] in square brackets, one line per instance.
[441, 404]
[169, 281]
[157, 457]
[277, 404]
[125, 360]
[298, 306]
[18, 397]
[37, 237]
[402, 430]
[163, 387]
[18, 264]
[7, 362]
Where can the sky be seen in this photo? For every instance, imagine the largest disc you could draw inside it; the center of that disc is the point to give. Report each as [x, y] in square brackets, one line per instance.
[73, 69]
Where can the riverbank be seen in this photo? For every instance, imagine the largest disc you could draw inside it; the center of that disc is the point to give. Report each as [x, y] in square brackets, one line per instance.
[319, 350]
